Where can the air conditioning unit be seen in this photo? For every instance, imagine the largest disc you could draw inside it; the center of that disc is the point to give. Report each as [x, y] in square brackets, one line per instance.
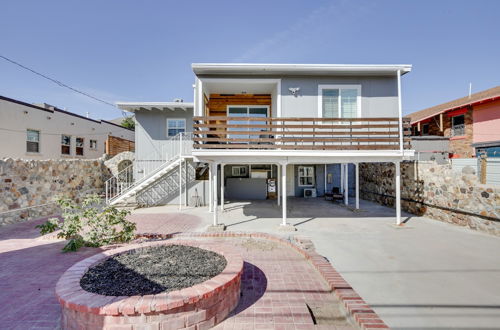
[309, 192]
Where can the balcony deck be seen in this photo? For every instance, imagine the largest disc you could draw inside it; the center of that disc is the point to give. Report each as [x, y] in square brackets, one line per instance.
[279, 133]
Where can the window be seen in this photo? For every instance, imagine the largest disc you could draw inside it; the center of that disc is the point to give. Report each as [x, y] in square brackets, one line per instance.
[32, 141]
[247, 111]
[176, 126]
[425, 129]
[93, 144]
[79, 146]
[306, 176]
[239, 171]
[339, 101]
[458, 125]
[65, 145]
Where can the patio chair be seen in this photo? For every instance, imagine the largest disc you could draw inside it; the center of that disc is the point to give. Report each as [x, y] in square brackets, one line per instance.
[335, 194]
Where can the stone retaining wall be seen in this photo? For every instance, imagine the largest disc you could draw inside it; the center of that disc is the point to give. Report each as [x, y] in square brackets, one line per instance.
[435, 191]
[26, 183]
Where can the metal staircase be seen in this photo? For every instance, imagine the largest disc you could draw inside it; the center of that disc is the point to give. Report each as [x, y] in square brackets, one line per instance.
[147, 171]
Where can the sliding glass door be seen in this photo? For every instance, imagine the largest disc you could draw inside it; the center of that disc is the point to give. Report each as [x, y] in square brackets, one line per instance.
[247, 111]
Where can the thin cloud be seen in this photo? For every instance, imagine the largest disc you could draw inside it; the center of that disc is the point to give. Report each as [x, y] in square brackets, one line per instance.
[316, 25]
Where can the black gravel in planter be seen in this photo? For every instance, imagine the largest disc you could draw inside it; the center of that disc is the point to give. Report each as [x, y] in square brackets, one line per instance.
[152, 270]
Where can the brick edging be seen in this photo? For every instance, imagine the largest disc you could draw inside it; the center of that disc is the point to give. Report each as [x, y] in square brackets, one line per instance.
[356, 307]
[72, 296]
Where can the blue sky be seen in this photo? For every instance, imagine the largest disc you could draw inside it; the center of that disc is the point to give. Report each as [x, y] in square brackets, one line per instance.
[122, 50]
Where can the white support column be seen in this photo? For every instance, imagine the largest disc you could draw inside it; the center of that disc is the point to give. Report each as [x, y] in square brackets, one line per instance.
[180, 183]
[357, 186]
[278, 182]
[346, 184]
[283, 193]
[210, 187]
[324, 187]
[398, 193]
[222, 187]
[342, 178]
[186, 195]
[214, 182]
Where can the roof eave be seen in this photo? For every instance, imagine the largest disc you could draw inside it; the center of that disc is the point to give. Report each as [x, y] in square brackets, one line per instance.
[310, 69]
[138, 106]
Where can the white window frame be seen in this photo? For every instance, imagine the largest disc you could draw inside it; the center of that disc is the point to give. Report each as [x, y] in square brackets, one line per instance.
[248, 107]
[313, 176]
[239, 172]
[339, 87]
[39, 141]
[175, 119]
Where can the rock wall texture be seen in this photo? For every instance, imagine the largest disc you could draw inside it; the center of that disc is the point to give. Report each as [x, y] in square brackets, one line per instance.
[435, 191]
[26, 183]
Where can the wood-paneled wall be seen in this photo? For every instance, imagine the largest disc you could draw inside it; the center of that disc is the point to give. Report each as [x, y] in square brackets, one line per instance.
[115, 145]
[217, 103]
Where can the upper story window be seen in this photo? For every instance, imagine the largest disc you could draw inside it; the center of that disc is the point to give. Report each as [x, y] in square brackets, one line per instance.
[306, 176]
[32, 140]
[415, 130]
[339, 101]
[79, 146]
[458, 125]
[425, 129]
[93, 144]
[65, 145]
[175, 126]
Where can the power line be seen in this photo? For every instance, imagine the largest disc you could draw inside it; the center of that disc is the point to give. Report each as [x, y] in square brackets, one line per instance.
[61, 84]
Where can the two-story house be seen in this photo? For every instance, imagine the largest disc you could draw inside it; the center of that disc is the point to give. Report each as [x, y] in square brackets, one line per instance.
[471, 123]
[267, 131]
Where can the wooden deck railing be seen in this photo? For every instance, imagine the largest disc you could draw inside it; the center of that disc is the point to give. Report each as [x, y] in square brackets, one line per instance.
[219, 132]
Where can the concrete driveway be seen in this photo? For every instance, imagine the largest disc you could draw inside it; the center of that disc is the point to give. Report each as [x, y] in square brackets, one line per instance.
[427, 275]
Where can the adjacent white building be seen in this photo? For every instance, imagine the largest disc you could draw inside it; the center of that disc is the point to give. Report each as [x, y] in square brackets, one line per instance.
[43, 131]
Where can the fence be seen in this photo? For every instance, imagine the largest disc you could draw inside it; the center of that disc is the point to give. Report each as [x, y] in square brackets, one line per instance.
[488, 173]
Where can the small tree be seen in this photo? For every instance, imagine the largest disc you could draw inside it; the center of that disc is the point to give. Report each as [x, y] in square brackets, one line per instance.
[89, 225]
[128, 123]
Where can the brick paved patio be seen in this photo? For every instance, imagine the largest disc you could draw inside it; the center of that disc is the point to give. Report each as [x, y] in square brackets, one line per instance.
[277, 281]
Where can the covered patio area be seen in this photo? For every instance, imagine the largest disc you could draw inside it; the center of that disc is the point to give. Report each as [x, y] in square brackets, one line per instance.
[284, 178]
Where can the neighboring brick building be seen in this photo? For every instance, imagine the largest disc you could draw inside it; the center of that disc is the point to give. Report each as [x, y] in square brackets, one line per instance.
[472, 123]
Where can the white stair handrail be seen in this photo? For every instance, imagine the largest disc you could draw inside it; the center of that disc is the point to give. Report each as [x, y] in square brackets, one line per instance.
[168, 152]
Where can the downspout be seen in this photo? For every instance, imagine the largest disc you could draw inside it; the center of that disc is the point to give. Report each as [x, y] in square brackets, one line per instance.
[400, 113]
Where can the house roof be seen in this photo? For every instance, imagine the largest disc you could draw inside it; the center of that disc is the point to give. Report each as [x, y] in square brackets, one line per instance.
[136, 106]
[299, 69]
[480, 97]
[55, 109]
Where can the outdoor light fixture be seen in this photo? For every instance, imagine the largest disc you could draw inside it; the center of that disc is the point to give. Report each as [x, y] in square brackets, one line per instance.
[294, 90]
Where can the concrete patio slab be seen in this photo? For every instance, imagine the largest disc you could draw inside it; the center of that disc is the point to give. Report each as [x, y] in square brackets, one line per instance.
[428, 275]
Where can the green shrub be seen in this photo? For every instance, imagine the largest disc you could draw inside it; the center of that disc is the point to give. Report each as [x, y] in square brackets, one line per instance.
[89, 224]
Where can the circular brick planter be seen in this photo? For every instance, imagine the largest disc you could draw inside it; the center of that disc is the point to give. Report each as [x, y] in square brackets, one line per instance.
[197, 307]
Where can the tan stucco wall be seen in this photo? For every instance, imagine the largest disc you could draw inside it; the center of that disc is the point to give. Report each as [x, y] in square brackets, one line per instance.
[15, 119]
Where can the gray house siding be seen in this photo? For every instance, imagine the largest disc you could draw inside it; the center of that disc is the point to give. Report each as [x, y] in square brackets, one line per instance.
[334, 169]
[378, 95]
[151, 129]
